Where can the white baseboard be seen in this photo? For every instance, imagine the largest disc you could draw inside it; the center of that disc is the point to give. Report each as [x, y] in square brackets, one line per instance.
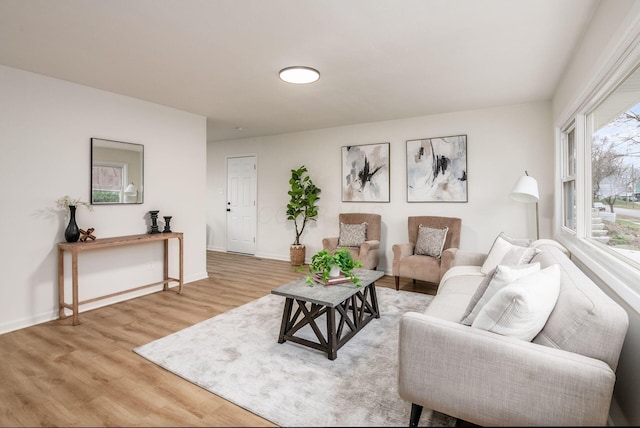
[53, 315]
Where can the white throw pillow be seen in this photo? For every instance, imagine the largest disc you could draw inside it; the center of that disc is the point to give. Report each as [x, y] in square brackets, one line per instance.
[522, 308]
[519, 256]
[506, 246]
[430, 241]
[521, 242]
[352, 235]
[503, 276]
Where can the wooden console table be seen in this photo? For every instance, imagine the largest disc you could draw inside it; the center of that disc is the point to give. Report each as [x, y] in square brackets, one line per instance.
[77, 247]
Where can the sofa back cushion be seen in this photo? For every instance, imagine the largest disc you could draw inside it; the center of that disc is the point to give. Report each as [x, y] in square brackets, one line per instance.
[585, 320]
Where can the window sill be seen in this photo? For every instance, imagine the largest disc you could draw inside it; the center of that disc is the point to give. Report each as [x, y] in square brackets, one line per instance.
[617, 278]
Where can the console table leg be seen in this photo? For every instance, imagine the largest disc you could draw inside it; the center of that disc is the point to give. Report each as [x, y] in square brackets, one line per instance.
[165, 266]
[181, 264]
[74, 285]
[61, 313]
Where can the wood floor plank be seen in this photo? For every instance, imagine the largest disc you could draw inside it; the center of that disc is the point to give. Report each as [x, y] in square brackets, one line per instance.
[56, 374]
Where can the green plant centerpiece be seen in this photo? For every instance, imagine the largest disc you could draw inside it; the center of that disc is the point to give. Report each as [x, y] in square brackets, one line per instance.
[301, 209]
[323, 261]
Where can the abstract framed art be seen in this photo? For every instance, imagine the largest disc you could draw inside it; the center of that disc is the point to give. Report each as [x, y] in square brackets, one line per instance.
[365, 173]
[437, 169]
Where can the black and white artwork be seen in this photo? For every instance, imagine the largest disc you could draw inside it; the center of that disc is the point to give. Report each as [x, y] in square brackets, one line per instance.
[437, 169]
[365, 173]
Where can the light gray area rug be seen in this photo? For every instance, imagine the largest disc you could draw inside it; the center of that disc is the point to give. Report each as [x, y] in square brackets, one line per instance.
[236, 355]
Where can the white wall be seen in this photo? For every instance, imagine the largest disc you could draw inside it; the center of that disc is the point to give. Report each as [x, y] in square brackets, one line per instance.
[45, 130]
[502, 143]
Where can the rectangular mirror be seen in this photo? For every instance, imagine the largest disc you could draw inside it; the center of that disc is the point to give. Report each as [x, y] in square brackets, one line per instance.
[117, 175]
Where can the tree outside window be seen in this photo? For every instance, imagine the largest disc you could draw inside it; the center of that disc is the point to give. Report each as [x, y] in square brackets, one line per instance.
[615, 175]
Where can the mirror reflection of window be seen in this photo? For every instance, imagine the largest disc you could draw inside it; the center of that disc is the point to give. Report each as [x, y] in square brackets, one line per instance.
[116, 172]
[107, 183]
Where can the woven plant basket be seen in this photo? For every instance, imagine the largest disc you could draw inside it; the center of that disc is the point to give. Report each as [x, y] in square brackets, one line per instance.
[297, 253]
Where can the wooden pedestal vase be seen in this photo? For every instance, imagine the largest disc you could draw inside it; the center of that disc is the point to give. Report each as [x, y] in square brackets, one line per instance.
[297, 253]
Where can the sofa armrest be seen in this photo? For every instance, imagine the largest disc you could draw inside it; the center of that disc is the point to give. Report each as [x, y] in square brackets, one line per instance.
[468, 258]
[330, 244]
[488, 379]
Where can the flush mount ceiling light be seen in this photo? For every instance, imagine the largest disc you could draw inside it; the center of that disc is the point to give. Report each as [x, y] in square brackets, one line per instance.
[299, 74]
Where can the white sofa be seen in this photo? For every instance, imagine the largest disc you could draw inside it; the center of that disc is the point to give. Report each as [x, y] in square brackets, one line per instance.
[564, 376]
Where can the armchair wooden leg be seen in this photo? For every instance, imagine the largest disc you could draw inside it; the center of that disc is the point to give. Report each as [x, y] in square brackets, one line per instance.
[416, 411]
[397, 283]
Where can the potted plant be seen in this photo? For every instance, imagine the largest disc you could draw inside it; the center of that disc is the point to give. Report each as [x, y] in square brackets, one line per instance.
[339, 263]
[301, 209]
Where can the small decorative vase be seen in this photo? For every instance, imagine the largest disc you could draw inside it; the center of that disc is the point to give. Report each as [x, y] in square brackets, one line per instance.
[334, 272]
[154, 221]
[167, 227]
[72, 232]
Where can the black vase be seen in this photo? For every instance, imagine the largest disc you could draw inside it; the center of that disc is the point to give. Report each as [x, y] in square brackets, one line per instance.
[72, 233]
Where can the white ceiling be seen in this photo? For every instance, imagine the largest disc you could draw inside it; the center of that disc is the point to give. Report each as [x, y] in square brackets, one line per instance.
[379, 59]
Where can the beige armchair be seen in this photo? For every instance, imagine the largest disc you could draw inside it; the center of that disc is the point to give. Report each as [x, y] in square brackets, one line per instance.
[426, 268]
[367, 251]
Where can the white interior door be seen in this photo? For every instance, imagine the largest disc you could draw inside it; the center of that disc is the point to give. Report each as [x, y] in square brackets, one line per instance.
[241, 204]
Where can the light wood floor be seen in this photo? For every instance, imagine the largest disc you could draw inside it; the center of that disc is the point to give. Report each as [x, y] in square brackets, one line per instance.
[54, 374]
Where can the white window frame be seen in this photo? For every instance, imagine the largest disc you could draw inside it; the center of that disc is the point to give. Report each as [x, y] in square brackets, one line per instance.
[616, 275]
[566, 176]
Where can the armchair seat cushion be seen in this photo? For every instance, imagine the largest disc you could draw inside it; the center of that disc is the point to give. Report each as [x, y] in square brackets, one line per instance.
[425, 268]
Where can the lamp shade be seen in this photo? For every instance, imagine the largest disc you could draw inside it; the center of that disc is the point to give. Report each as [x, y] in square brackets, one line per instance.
[525, 190]
[131, 190]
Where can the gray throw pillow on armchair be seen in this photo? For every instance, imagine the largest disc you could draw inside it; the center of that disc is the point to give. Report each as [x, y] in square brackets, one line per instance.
[430, 241]
[352, 235]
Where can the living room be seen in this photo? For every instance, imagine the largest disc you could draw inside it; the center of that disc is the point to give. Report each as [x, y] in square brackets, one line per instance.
[47, 124]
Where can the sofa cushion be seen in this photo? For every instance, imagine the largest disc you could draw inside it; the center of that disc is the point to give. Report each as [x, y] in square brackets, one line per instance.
[585, 320]
[521, 308]
[457, 286]
[352, 235]
[430, 241]
[503, 276]
[504, 249]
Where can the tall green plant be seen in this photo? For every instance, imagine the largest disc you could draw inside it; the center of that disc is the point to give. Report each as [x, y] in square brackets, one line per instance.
[302, 206]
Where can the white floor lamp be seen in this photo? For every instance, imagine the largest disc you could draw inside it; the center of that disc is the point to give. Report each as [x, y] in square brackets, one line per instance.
[526, 190]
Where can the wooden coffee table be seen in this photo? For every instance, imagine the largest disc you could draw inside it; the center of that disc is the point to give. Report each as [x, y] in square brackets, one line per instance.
[354, 307]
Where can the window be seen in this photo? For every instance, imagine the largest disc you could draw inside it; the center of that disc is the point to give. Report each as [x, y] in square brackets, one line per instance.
[107, 182]
[569, 178]
[600, 174]
[615, 170]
